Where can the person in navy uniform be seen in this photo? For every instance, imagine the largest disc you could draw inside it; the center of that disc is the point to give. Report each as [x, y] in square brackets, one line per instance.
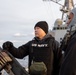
[43, 47]
[68, 66]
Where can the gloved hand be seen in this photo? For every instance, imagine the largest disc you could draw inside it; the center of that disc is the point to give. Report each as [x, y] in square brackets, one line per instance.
[7, 45]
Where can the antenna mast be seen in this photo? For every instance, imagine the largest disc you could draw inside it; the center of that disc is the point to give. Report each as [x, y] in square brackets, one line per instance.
[68, 5]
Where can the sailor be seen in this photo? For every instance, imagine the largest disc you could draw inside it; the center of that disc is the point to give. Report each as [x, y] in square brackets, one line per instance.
[69, 62]
[42, 48]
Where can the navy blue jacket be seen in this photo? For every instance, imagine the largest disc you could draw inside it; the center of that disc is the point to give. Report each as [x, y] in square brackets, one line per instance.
[69, 62]
[45, 50]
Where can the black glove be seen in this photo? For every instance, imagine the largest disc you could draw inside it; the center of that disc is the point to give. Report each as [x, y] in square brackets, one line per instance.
[7, 45]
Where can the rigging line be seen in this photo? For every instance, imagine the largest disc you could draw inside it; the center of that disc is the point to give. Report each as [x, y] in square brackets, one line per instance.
[52, 16]
[56, 2]
[51, 11]
[49, 15]
[47, 9]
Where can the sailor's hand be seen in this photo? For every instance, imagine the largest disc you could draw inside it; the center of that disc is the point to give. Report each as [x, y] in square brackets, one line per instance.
[7, 45]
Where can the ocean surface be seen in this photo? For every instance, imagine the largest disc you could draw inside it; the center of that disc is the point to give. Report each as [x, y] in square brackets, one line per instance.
[18, 35]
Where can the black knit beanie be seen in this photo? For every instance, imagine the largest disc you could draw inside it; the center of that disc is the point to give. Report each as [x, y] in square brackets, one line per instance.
[43, 25]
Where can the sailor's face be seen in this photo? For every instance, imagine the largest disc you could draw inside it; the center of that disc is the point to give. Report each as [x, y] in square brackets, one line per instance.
[38, 32]
[70, 17]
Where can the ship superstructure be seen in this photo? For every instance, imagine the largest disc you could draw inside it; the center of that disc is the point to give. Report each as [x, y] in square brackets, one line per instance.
[60, 26]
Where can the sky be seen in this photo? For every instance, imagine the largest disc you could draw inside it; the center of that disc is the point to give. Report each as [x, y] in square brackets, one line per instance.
[18, 17]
